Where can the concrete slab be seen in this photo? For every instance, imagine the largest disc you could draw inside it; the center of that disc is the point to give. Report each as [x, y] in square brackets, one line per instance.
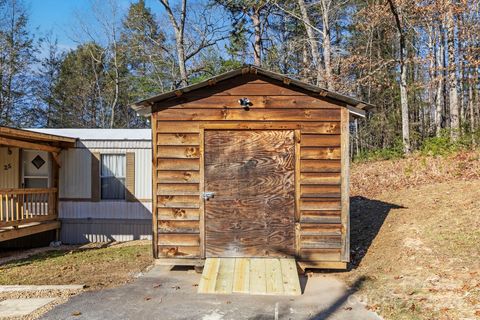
[164, 294]
[21, 307]
[19, 288]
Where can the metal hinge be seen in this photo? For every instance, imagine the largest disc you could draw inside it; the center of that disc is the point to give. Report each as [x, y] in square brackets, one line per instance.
[208, 195]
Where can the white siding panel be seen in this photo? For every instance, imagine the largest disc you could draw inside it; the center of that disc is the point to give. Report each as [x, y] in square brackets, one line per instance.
[105, 210]
[143, 173]
[112, 144]
[75, 177]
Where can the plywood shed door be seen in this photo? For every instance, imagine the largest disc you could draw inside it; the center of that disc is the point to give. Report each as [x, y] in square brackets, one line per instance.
[252, 177]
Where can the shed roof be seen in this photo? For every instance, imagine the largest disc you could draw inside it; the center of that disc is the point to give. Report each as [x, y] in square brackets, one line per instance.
[99, 134]
[357, 107]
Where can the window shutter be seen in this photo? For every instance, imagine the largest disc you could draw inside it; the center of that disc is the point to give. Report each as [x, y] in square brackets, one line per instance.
[130, 177]
[95, 179]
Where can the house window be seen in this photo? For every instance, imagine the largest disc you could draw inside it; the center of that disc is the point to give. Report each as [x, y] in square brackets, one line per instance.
[112, 176]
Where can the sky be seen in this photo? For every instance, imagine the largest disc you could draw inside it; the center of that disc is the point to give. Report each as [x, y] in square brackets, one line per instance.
[58, 17]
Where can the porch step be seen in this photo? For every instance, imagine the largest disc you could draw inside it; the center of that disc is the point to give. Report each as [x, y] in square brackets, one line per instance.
[262, 276]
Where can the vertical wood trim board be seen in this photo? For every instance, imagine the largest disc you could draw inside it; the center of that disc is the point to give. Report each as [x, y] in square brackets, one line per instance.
[202, 189]
[154, 186]
[345, 157]
[130, 178]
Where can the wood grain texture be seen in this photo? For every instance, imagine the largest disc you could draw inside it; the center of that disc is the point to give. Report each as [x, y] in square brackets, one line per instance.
[183, 127]
[178, 152]
[130, 177]
[178, 139]
[316, 172]
[181, 189]
[345, 251]
[175, 226]
[252, 114]
[320, 140]
[178, 214]
[178, 176]
[176, 251]
[325, 153]
[252, 175]
[261, 101]
[178, 164]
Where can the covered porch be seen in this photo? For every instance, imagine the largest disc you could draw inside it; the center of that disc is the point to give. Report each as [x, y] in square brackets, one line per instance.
[29, 166]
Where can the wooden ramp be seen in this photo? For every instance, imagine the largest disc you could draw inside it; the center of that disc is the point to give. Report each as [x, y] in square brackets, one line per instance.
[263, 276]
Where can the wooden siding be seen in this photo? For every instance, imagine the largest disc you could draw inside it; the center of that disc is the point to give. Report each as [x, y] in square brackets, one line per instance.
[9, 167]
[178, 130]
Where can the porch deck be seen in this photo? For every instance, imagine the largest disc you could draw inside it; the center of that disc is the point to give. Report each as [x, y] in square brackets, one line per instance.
[24, 212]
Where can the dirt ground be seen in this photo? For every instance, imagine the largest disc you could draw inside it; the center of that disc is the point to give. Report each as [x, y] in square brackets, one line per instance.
[416, 251]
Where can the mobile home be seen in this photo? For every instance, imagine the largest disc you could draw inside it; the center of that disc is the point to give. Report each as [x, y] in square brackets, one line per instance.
[101, 182]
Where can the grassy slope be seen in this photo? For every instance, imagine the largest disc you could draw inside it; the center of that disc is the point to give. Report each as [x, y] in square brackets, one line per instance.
[415, 237]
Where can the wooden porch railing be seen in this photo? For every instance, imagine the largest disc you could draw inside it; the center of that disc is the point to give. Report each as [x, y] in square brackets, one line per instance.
[21, 206]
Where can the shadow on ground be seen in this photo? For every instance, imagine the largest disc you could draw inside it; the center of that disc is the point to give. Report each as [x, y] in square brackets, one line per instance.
[366, 219]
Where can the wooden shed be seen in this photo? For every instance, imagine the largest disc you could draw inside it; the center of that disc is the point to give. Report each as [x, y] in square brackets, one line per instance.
[251, 164]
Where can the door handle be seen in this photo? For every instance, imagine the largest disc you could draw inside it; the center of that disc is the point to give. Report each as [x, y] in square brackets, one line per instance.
[208, 195]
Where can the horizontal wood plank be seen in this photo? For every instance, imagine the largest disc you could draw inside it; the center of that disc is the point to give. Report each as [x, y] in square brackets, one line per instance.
[175, 226]
[320, 254]
[185, 252]
[316, 229]
[176, 127]
[178, 164]
[320, 140]
[320, 216]
[190, 240]
[318, 204]
[320, 166]
[321, 242]
[178, 214]
[178, 176]
[319, 191]
[261, 101]
[180, 189]
[176, 139]
[320, 178]
[322, 153]
[178, 201]
[178, 152]
[252, 114]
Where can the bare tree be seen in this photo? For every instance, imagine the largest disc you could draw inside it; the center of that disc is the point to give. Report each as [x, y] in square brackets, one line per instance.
[206, 33]
[452, 72]
[397, 14]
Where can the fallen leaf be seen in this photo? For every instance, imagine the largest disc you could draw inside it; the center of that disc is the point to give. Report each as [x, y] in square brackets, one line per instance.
[76, 313]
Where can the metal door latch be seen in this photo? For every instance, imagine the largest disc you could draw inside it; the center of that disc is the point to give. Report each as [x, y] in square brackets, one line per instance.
[208, 195]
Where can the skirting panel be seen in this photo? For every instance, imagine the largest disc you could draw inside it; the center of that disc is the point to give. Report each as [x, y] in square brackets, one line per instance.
[78, 231]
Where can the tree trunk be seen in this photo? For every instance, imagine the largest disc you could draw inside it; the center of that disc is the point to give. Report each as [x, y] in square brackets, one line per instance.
[312, 41]
[403, 80]
[179, 29]
[327, 47]
[440, 57]
[452, 76]
[257, 45]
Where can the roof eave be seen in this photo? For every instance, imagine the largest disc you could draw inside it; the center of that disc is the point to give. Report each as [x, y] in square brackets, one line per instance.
[144, 107]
